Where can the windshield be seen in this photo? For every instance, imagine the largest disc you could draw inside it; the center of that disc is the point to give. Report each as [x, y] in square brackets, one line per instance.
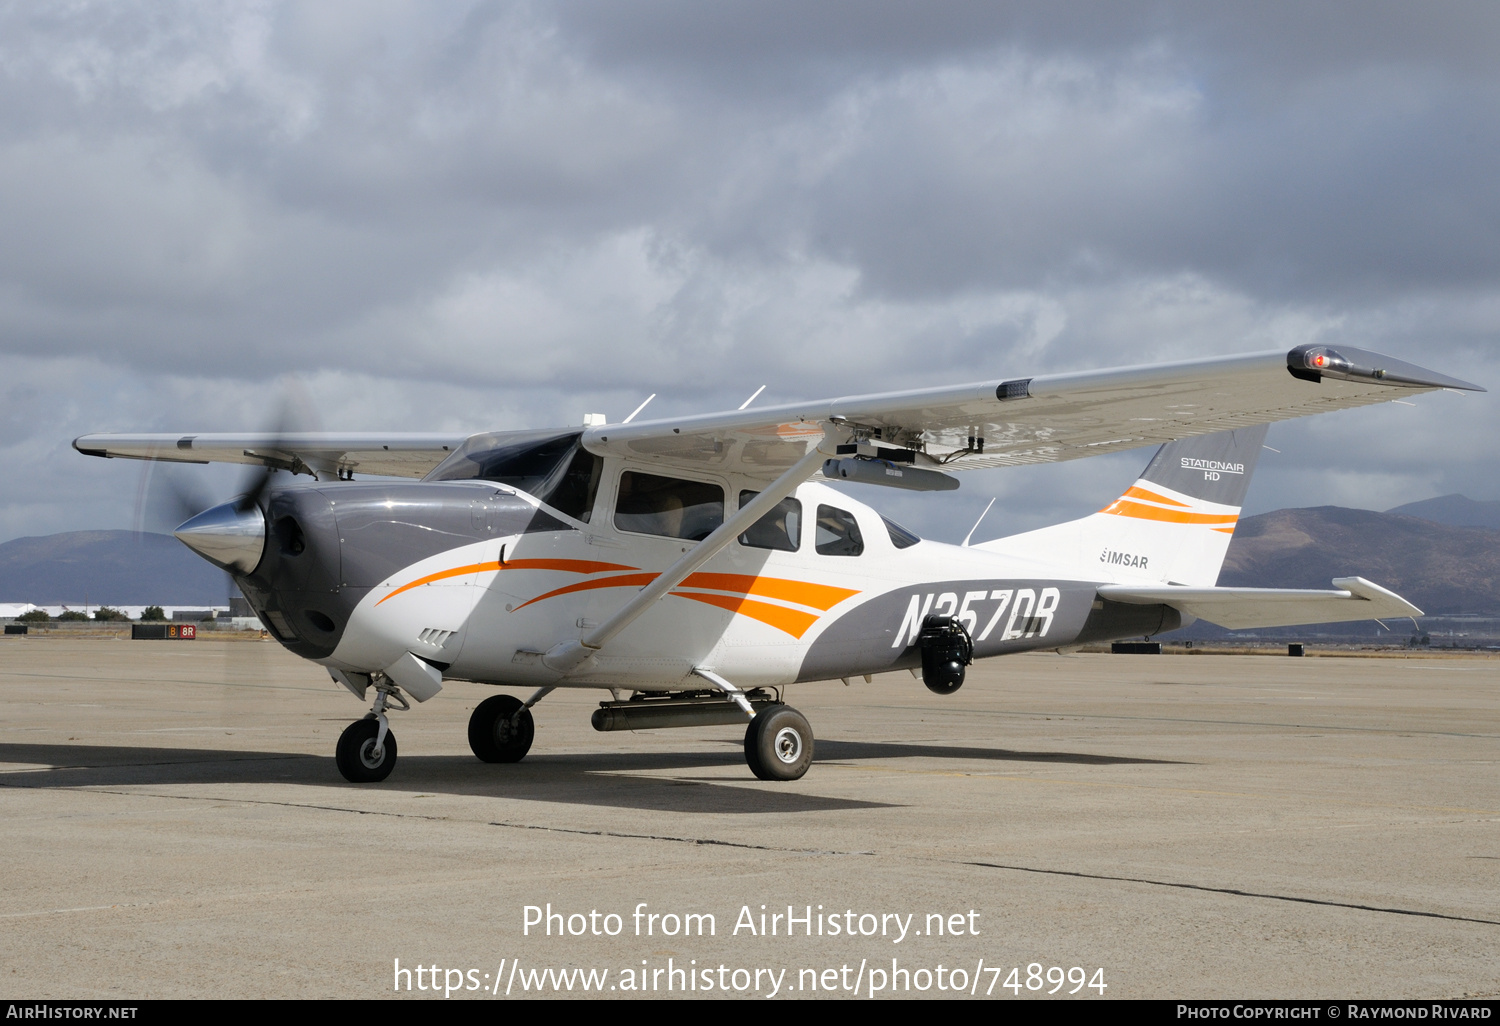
[550, 465]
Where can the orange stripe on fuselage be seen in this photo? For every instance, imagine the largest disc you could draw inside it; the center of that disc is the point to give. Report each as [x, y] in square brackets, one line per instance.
[792, 621]
[818, 596]
[574, 566]
[618, 581]
[1140, 511]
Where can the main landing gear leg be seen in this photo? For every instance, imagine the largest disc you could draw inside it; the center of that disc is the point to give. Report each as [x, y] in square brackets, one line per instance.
[367, 749]
[778, 741]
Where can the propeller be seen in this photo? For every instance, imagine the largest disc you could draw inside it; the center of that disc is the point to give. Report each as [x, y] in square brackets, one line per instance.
[296, 414]
[170, 494]
[167, 495]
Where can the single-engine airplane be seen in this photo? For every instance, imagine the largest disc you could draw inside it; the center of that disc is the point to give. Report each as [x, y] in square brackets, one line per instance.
[694, 563]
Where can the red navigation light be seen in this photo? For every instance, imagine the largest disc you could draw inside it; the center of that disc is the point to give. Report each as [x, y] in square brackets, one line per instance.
[1319, 360]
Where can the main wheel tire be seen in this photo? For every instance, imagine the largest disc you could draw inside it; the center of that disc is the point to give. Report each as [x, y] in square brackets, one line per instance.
[779, 744]
[355, 753]
[497, 734]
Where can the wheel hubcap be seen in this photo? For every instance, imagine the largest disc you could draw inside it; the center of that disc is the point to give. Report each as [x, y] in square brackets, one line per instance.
[370, 755]
[788, 745]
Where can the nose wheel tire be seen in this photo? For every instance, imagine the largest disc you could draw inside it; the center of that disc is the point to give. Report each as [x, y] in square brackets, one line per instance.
[497, 733]
[358, 761]
[779, 744]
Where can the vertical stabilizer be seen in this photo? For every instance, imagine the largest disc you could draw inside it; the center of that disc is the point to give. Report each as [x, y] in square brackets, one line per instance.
[1172, 526]
[1212, 469]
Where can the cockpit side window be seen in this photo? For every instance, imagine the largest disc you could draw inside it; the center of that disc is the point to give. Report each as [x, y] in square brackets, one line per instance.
[780, 529]
[668, 507]
[838, 533]
[575, 491]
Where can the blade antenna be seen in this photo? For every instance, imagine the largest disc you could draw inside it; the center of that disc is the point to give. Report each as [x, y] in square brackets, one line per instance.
[638, 409]
[757, 392]
[977, 523]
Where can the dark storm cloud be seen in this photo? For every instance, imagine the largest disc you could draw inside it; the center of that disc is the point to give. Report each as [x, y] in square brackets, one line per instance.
[1287, 149]
[476, 215]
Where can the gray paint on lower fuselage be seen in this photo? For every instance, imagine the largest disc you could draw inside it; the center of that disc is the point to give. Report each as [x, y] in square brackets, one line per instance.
[1012, 616]
[877, 637]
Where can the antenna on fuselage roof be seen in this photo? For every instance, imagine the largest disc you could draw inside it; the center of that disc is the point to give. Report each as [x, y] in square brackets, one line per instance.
[757, 392]
[638, 409]
[977, 523]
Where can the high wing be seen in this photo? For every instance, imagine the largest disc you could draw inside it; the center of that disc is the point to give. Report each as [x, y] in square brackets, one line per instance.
[1242, 608]
[995, 423]
[1043, 419]
[325, 454]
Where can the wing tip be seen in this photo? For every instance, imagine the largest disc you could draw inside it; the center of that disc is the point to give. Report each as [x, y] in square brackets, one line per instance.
[1313, 362]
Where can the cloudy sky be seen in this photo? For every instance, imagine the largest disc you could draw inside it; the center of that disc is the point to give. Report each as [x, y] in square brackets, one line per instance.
[465, 216]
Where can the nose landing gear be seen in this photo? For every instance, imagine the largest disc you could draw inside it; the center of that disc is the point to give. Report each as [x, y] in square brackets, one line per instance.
[366, 752]
[363, 757]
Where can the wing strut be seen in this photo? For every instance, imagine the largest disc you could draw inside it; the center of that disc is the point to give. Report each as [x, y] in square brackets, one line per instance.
[569, 655]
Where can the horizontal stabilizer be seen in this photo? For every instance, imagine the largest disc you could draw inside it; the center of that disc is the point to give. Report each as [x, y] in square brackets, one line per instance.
[1241, 608]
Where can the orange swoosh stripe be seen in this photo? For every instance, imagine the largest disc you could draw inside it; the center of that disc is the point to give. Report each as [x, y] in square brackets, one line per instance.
[575, 566]
[618, 581]
[1137, 492]
[818, 596]
[1223, 530]
[442, 575]
[1138, 511]
[791, 621]
[572, 566]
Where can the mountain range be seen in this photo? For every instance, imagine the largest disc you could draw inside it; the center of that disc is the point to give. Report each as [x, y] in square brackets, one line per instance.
[1453, 510]
[1440, 568]
[108, 568]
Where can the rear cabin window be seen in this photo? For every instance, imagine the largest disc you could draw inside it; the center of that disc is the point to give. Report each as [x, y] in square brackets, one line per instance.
[780, 529]
[900, 536]
[838, 533]
[668, 506]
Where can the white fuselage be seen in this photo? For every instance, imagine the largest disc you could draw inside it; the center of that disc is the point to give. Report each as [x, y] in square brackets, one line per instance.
[750, 614]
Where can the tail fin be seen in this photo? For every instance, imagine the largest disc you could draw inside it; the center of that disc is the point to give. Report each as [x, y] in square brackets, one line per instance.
[1173, 525]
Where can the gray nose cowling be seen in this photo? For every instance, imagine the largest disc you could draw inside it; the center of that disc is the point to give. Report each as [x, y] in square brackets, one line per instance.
[227, 536]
